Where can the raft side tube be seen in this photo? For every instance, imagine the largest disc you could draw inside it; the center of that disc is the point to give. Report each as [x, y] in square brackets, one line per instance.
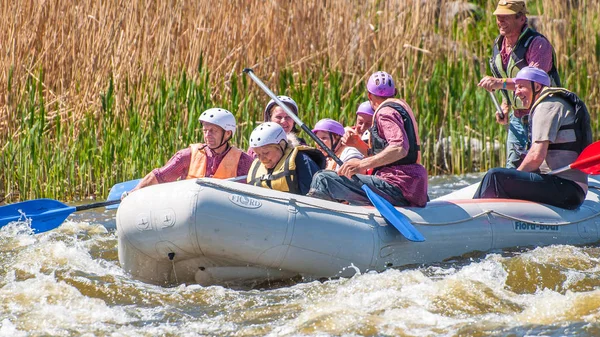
[284, 233]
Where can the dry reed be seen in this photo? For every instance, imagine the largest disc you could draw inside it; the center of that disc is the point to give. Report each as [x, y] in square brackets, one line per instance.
[74, 49]
[80, 45]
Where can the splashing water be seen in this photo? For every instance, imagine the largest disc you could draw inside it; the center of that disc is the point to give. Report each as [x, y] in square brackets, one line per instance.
[68, 282]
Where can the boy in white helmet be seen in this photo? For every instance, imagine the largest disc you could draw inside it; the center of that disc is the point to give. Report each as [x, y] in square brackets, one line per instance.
[215, 158]
[280, 165]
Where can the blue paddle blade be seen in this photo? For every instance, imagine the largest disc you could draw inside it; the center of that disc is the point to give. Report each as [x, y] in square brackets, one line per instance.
[45, 214]
[118, 189]
[395, 218]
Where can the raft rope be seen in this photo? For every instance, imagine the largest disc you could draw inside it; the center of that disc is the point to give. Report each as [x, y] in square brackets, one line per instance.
[363, 214]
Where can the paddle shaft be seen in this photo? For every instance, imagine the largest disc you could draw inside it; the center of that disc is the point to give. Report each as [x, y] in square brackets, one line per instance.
[580, 164]
[498, 108]
[96, 205]
[287, 110]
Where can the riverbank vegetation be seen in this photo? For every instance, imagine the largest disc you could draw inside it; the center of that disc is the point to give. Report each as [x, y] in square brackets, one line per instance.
[96, 93]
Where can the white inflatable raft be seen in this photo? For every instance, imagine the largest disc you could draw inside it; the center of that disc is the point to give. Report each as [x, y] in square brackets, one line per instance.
[218, 232]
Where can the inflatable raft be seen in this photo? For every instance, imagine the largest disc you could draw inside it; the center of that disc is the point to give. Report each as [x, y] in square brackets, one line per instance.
[211, 232]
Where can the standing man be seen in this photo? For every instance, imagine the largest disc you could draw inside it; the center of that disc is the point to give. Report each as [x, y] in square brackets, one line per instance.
[215, 158]
[560, 130]
[395, 151]
[517, 46]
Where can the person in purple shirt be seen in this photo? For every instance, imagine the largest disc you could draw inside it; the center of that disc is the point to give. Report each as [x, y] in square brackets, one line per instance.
[216, 158]
[396, 175]
[518, 45]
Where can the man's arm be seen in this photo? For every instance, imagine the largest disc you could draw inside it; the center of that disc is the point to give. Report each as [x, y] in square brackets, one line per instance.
[535, 157]
[148, 180]
[491, 83]
[351, 138]
[175, 168]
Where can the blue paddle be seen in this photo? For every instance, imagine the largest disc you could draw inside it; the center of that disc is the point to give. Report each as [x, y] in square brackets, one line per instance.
[45, 214]
[387, 210]
[117, 190]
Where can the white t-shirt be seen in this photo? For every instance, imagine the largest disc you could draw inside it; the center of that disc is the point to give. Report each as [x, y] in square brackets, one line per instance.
[349, 153]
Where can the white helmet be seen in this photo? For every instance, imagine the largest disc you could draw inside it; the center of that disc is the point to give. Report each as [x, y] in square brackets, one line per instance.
[267, 133]
[285, 100]
[220, 117]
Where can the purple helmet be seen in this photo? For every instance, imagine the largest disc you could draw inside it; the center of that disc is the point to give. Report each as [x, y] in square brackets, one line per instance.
[533, 74]
[329, 125]
[381, 84]
[365, 109]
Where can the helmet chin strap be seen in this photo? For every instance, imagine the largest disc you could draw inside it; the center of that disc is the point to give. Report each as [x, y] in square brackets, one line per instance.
[534, 93]
[282, 148]
[334, 144]
[223, 142]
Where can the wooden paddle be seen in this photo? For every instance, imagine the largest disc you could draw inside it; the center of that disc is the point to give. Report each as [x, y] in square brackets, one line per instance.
[387, 210]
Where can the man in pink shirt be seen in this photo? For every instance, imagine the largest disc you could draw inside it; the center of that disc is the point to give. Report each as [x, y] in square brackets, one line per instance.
[516, 47]
[215, 158]
[394, 144]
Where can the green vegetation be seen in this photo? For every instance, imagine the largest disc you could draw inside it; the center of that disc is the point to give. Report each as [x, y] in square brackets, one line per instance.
[83, 117]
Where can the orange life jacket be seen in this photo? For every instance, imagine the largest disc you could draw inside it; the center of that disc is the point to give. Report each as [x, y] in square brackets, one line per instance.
[227, 168]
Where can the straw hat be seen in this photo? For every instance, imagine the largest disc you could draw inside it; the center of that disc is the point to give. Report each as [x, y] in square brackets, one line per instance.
[510, 7]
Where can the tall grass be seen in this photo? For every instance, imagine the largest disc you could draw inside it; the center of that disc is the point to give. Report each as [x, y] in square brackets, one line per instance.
[95, 93]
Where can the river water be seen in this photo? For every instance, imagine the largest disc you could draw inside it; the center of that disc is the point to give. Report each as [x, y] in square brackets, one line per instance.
[68, 282]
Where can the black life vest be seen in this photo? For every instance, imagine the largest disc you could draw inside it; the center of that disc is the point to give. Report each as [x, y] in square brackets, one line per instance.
[581, 126]
[377, 143]
[517, 61]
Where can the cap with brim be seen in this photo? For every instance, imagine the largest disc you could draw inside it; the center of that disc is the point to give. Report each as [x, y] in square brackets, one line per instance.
[510, 7]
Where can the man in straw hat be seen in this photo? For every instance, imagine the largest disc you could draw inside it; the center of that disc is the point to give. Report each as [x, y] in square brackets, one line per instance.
[517, 46]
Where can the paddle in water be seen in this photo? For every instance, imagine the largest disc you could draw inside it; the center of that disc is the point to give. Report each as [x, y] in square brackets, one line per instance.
[45, 214]
[387, 210]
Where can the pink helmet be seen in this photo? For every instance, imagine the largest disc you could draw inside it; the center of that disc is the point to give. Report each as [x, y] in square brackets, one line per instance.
[381, 84]
[533, 74]
[329, 125]
[365, 109]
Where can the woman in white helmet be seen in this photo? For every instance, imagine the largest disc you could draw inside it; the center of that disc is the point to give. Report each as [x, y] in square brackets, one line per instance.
[274, 113]
[215, 158]
[280, 165]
